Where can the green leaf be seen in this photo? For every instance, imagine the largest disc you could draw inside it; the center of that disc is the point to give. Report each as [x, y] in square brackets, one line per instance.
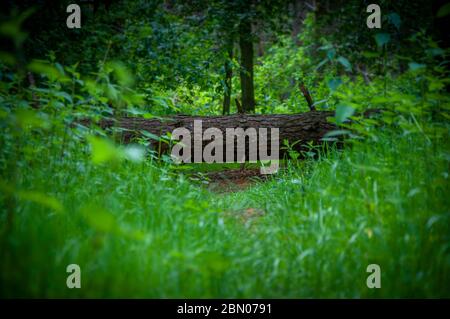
[134, 153]
[414, 66]
[151, 135]
[13, 28]
[345, 63]
[32, 196]
[435, 51]
[333, 135]
[99, 219]
[111, 91]
[435, 85]
[148, 116]
[124, 76]
[369, 54]
[134, 111]
[42, 199]
[382, 39]
[43, 68]
[331, 53]
[103, 150]
[443, 11]
[334, 83]
[64, 95]
[394, 18]
[379, 100]
[321, 63]
[343, 112]
[103, 221]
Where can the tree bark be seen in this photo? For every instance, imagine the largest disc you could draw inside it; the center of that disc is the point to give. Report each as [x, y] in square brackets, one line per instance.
[306, 127]
[246, 74]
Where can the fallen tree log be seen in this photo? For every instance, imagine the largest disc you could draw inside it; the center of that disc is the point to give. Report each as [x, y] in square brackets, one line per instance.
[305, 127]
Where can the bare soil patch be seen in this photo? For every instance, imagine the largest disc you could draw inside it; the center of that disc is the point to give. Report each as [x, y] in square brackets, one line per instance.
[232, 180]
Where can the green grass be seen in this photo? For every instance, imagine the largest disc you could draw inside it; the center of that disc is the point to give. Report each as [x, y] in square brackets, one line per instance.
[141, 231]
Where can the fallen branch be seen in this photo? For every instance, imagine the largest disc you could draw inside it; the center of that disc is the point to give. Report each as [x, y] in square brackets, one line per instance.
[307, 96]
[305, 127]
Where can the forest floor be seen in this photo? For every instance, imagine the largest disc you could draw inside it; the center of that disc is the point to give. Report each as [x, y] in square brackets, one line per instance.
[230, 180]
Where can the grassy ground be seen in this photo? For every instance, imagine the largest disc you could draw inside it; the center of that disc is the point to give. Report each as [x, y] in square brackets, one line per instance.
[138, 231]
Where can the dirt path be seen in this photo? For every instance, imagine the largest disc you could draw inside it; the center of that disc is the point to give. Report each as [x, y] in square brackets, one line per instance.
[232, 180]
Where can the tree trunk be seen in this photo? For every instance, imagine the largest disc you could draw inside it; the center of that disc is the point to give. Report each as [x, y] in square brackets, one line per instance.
[297, 19]
[228, 80]
[246, 74]
[306, 127]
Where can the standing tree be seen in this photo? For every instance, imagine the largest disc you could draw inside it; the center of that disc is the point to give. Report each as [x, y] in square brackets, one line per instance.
[246, 49]
[245, 14]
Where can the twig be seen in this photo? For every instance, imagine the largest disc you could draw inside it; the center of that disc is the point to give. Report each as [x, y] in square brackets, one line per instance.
[307, 96]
